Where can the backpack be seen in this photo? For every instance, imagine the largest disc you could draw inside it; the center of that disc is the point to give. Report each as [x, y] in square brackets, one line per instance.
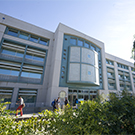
[52, 104]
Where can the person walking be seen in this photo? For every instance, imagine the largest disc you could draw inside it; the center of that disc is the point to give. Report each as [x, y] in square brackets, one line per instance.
[20, 102]
[54, 105]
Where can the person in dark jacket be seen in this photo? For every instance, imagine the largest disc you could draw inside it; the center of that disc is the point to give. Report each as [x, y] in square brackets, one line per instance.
[54, 105]
[76, 103]
[66, 101]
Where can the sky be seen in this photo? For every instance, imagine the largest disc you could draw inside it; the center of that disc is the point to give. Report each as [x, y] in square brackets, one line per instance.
[110, 21]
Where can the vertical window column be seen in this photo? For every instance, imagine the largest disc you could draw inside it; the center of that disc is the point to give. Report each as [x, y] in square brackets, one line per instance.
[22, 62]
[116, 76]
[131, 79]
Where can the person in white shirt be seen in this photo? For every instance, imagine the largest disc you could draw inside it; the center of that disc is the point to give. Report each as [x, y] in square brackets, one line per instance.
[20, 102]
[58, 103]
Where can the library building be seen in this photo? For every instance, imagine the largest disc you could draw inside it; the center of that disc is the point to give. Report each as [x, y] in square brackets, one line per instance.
[41, 65]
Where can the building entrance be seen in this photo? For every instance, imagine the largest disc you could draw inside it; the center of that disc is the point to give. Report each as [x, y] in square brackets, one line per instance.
[81, 95]
[72, 99]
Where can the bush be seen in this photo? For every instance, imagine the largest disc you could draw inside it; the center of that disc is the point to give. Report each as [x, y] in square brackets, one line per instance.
[116, 116]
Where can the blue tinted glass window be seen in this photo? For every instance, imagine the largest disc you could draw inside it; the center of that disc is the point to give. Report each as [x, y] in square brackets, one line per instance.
[34, 39]
[87, 45]
[14, 73]
[5, 71]
[111, 63]
[43, 42]
[31, 75]
[80, 43]
[28, 56]
[73, 41]
[9, 52]
[12, 32]
[38, 58]
[93, 48]
[19, 54]
[24, 35]
[35, 75]
[25, 74]
[107, 62]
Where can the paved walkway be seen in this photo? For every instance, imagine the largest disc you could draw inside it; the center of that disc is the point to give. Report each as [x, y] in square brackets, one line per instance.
[25, 116]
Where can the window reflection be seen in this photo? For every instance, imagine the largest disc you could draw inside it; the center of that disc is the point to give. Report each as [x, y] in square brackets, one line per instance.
[9, 72]
[11, 52]
[31, 75]
[12, 32]
[33, 57]
[87, 45]
[24, 35]
[93, 48]
[73, 41]
[34, 39]
[80, 43]
[43, 42]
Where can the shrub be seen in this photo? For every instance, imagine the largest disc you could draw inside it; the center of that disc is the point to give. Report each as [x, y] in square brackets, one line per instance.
[116, 116]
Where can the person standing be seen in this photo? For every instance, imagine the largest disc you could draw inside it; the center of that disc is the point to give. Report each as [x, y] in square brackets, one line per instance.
[54, 105]
[66, 101]
[20, 102]
[76, 102]
[58, 103]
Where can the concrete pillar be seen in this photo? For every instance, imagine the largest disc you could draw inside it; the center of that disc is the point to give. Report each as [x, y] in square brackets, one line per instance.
[14, 96]
[116, 76]
[131, 79]
[2, 30]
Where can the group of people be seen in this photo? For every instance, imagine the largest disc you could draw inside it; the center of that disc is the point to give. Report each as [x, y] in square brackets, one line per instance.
[56, 104]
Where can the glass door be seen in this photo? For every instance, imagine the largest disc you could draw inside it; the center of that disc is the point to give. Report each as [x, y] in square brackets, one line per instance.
[72, 99]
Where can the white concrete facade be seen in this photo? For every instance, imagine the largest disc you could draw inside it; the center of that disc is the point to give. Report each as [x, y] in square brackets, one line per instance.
[50, 87]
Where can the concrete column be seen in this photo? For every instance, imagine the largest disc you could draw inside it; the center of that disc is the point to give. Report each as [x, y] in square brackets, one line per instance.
[2, 30]
[131, 79]
[14, 96]
[116, 76]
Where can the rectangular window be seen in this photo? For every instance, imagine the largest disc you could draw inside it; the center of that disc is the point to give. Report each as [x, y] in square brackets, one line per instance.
[42, 41]
[24, 35]
[111, 63]
[29, 95]
[34, 38]
[31, 75]
[107, 62]
[93, 48]
[86, 45]
[9, 72]
[109, 74]
[12, 52]
[12, 32]
[6, 94]
[80, 43]
[73, 41]
[33, 57]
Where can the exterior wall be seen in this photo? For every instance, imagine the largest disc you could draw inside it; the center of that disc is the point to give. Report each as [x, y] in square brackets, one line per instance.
[29, 28]
[117, 69]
